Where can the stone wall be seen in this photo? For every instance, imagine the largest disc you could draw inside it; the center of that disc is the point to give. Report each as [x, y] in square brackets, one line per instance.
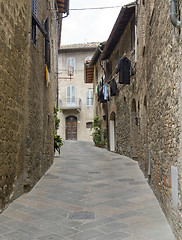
[148, 112]
[158, 80]
[26, 117]
[119, 108]
[122, 102]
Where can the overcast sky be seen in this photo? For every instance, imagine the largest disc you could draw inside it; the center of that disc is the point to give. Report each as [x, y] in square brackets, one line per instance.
[90, 25]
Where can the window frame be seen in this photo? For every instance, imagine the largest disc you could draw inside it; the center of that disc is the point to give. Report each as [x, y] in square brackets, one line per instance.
[71, 102]
[89, 98]
[71, 62]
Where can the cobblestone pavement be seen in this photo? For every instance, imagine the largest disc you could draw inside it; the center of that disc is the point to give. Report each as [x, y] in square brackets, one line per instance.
[88, 194]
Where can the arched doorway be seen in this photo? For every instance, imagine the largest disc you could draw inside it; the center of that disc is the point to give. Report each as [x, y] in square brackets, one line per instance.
[71, 128]
[112, 132]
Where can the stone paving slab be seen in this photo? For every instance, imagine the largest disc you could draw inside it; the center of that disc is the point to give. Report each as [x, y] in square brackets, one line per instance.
[88, 194]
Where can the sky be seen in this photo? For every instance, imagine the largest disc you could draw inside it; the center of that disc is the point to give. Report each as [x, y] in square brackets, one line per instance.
[86, 26]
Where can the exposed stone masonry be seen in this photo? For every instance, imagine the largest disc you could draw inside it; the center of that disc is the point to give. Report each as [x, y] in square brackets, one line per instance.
[26, 104]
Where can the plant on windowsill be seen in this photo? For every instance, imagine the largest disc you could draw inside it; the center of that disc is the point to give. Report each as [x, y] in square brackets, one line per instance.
[98, 134]
[58, 142]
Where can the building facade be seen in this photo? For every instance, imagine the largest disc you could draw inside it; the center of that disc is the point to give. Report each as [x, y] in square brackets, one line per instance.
[76, 91]
[143, 116]
[159, 95]
[30, 32]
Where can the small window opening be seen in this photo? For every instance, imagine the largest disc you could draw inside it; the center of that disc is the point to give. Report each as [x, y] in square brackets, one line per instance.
[89, 125]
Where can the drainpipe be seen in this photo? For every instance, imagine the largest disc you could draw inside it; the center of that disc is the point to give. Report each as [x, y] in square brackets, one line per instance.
[173, 13]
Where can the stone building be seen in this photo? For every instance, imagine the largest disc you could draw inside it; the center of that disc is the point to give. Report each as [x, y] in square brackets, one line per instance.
[29, 37]
[143, 119]
[76, 91]
[115, 112]
[159, 97]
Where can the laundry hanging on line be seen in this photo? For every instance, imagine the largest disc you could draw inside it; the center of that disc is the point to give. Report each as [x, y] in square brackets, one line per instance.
[113, 87]
[124, 69]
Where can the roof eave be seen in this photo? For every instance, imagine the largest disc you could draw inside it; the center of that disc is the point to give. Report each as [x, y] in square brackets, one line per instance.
[116, 33]
[97, 54]
[63, 6]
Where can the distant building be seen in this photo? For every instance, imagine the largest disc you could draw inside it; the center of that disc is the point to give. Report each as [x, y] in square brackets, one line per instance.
[76, 91]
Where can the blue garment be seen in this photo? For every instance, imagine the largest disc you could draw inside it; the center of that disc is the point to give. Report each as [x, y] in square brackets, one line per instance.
[105, 92]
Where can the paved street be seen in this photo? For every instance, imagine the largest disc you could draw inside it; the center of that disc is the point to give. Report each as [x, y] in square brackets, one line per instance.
[88, 194]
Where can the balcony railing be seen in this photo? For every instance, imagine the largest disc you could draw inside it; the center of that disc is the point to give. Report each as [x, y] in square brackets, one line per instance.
[70, 104]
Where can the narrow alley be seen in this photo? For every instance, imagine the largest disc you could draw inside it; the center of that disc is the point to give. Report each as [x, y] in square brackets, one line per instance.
[87, 194]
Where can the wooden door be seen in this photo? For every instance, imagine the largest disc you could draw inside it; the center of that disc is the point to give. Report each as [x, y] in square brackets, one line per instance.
[71, 128]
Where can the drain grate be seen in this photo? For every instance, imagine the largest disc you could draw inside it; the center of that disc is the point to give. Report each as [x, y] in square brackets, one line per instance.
[130, 164]
[50, 176]
[117, 158]
[94, 172]
[81, 215]
[125, 180]
[137, 183]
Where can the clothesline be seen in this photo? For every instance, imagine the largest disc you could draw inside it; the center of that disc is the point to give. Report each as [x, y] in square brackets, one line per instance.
[114, 72]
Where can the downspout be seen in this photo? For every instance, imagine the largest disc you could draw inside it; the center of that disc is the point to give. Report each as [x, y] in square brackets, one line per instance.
[173, 13]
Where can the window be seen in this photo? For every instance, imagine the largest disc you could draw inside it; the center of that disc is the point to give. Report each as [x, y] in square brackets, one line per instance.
[70, 66]
[34, 24]
[89, 125]
[70, 96]
[89, 98]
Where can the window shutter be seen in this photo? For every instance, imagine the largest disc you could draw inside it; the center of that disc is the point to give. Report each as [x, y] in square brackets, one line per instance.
[34, 7]
[89, 98]
[70, 66]
[68, 94]
[47, 45]
[73, 94]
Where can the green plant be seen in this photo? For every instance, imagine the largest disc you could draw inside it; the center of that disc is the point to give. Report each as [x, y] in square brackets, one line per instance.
[98, 133]
[58, 142]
